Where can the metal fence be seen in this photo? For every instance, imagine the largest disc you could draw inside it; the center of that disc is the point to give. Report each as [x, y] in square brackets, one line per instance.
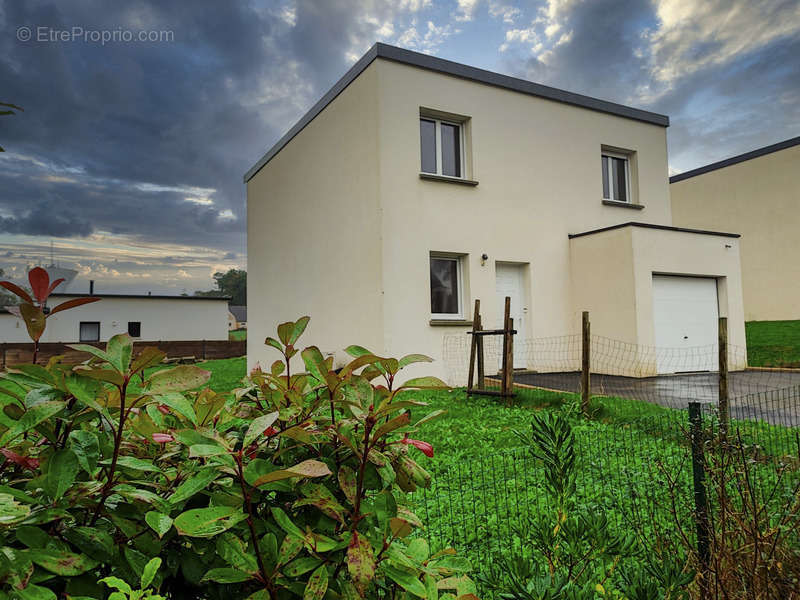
[637, 469]
[639, 474]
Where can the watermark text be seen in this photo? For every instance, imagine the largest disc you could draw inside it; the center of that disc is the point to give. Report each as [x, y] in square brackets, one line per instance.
[119, 35]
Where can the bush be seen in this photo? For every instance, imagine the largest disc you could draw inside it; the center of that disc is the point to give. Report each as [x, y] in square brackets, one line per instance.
[294, 487]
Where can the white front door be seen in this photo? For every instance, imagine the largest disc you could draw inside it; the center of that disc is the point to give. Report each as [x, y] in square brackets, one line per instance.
[510, 283]
[685, 315]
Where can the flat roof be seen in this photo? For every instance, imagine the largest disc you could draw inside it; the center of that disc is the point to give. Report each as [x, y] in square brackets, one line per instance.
[138, 296]
[736, 159]
[653, 226]
[447, 67]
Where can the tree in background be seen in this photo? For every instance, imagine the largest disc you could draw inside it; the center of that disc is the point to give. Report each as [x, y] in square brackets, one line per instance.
[233, 284]
[10, 109]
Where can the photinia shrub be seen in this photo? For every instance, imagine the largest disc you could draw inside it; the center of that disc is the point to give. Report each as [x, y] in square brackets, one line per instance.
[293, 487]
[33, 309]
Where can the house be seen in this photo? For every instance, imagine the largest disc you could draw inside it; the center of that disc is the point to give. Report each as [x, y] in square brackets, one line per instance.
[144, 317]
[416, 185]
[237, 317]
[758, 195]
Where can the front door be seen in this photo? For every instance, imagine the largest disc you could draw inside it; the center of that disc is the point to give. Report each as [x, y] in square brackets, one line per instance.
[509, 282]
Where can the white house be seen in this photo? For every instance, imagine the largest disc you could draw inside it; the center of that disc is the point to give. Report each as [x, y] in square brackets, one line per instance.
[416, 185]
[144, 317]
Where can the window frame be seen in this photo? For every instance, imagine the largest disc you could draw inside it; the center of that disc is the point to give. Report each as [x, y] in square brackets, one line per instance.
[80, 328]
[462, 154]
[459, 260]
[139, 323]
[609, 172]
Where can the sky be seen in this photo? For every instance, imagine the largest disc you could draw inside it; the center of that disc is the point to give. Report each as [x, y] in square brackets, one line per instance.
[129, 155]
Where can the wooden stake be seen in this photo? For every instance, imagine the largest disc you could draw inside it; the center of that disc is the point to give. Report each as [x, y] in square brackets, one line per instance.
[481, 378]
[723, 377]
[506, 328]
[509, 374]
[473, 344]
[585, 363]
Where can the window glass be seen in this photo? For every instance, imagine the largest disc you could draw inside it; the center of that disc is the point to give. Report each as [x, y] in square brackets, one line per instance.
[134, 328]
[451, 150]
[615, 178]
[620, 181]
[444, 286]
[89, 331]
[427, 137]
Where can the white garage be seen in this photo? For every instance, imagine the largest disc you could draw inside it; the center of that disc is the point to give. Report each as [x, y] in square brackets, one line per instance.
[685, 315]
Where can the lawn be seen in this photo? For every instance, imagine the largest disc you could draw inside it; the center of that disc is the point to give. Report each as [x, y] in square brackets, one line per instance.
[485, 484]
[773, 343]
[237, 335]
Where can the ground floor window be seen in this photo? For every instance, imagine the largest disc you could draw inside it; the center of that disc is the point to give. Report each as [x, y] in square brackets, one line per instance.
[89, 331]
[446, 287]
[135, 329]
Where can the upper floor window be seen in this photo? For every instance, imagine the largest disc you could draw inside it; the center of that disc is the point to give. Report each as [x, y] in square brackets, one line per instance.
[442, 147]
[616, 177]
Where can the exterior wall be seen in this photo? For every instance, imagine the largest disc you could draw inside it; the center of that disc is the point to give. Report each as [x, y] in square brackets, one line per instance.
[161, 319]
[758, 198]
[313, 230]
[538, 167]
[604, 283]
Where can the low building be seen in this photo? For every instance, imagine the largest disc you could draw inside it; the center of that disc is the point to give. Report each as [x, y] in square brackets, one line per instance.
[756, 194]
[423, 184]
[237, 317]
[144, 317]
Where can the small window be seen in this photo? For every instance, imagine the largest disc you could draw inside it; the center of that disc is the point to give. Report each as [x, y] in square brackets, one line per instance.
[442, 147]
[89, 331]
[135, 329]
[446, 288]
[616, 177]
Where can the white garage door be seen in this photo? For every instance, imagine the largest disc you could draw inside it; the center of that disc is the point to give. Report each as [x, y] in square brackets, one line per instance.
[686, 314]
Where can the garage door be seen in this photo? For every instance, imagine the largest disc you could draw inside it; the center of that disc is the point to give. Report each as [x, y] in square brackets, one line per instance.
[686, 314]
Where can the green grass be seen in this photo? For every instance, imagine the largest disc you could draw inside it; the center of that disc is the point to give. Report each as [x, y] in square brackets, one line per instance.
[226, 373]
[237, 335]
[773, 343]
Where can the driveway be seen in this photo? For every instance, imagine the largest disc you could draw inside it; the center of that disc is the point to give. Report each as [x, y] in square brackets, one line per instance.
[773, 396]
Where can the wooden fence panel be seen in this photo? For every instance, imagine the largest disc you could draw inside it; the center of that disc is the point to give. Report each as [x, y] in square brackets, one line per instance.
[16, 353]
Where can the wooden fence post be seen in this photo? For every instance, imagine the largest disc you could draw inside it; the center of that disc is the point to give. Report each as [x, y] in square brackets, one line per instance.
[723, 378]
[586, 341]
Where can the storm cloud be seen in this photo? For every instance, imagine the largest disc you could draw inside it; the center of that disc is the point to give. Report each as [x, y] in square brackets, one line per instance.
[134, 152]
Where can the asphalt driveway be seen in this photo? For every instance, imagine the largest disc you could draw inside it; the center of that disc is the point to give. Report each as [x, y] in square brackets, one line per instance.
[773, 396]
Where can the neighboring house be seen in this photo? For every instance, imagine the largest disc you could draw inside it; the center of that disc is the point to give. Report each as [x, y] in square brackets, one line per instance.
[237, 317]
[416, 185]
[144, 317]
[758, 195]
